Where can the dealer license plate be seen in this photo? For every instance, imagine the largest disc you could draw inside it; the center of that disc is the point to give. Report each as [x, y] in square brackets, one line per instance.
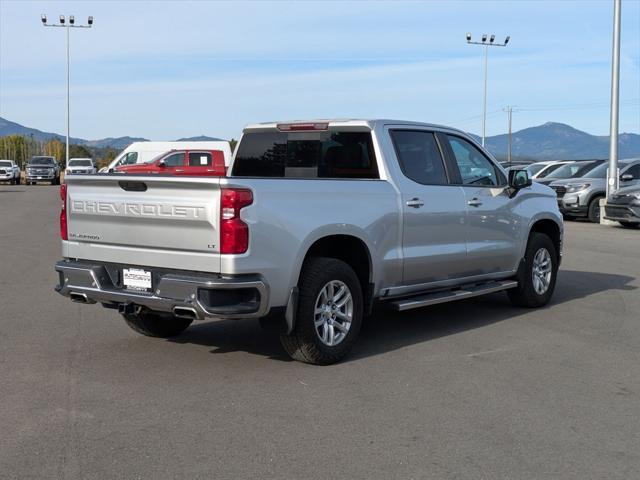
[136, 279]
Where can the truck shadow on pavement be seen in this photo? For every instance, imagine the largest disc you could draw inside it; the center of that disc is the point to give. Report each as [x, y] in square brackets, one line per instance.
[387, 331]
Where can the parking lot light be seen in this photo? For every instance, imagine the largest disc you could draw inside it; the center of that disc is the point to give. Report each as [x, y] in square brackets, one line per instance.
[484, 43]
[71, 24]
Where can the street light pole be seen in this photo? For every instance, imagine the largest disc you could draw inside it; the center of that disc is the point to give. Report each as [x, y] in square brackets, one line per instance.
[67, 26]
[68, 102]
[509, 109]
[486, 46]
[484, 103]
[612, 180]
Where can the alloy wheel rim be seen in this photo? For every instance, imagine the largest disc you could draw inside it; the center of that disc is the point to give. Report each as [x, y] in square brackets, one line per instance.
[541, 271]
[333, 313]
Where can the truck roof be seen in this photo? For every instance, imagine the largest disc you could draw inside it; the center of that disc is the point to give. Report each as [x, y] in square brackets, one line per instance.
[349, 122]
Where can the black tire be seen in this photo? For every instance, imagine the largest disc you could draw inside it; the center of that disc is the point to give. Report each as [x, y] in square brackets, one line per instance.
[594, 210]
[18, 180]
[304, 343]
[629, 224]
[154, 324]
[525, 294]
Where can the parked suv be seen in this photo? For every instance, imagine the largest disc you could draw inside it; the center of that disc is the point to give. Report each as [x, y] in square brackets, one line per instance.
[9, 172]
[182, 162]
[624, 207]
[580, 197]
[317, 222]
[80, 166]
[42, 169]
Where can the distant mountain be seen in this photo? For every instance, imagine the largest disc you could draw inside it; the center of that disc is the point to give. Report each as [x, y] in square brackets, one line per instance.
[11, 128]
[119, 143]
[553, 141]
[200, 138]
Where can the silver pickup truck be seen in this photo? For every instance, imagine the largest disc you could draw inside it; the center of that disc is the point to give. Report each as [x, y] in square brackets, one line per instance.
[316, 223]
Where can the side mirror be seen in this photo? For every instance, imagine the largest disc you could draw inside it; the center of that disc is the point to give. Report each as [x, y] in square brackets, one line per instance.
[519, 179]
[626, 177]
[162, 163]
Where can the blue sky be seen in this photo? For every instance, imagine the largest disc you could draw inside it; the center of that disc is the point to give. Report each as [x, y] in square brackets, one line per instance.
[168, 69]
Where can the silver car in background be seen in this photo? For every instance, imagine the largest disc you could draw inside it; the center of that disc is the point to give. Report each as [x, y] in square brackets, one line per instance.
[580, 197]
[575, 169]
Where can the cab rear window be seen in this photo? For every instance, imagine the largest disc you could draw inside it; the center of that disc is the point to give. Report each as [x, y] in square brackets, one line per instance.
[325, 154]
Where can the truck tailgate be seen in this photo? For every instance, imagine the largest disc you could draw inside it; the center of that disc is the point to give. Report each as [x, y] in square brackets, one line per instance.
[161, 221]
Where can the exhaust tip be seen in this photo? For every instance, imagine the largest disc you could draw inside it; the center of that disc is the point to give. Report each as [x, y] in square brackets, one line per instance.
[78, 297]
[185, 312]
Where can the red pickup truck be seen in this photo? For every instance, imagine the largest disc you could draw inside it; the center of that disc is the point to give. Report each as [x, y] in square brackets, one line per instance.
[182, 162]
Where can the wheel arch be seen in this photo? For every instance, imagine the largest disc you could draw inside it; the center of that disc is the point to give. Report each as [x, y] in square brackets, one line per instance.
[552, 229]
[349, 248]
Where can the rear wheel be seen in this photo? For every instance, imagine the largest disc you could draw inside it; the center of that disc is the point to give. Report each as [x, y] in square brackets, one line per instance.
[594, 210]
[155, 324]
[329, 313]
[537, 274]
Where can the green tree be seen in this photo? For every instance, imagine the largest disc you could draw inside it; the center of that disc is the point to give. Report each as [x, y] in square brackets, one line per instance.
[79, 151]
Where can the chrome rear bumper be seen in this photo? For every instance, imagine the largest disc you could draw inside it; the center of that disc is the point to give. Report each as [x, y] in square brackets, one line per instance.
[181, 293]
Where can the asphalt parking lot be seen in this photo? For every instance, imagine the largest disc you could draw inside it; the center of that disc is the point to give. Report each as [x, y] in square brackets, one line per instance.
[470, 390]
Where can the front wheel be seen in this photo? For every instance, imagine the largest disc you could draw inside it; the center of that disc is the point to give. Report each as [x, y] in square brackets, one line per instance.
[594, 210]
[537, 274]
[329, 313]
[155, 324]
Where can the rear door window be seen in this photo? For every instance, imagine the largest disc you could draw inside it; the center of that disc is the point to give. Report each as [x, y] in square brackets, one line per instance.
[313, 154]
[419, 156]
[199, 159]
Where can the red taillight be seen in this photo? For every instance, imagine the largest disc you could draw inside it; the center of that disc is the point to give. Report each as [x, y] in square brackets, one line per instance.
[234, 233]
[63, 212]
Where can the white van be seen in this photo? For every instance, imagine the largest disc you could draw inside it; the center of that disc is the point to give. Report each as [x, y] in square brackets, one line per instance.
[141, 152]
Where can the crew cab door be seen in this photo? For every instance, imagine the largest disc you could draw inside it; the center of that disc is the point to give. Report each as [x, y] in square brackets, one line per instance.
[173, 164]
[433, 211]
[491, 231]
[204, 163]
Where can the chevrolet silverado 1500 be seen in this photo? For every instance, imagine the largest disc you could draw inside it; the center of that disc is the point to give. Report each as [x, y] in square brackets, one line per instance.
[316, 223]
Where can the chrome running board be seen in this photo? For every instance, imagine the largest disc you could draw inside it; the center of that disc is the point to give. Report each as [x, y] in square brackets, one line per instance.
[468, 291]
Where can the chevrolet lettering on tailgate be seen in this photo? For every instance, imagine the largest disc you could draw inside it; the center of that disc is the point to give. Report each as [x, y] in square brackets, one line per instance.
[128, 209]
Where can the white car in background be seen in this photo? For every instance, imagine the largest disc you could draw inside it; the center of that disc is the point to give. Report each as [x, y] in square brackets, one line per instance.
[9, 172]
[540, 170]
[143, 152]
[80, 166]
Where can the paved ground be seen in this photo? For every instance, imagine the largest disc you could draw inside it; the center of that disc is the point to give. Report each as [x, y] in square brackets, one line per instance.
[472, 390]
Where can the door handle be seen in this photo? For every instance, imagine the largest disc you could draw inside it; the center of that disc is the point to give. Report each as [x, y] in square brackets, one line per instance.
[474, 202]
[179, 170]
[415, 203]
